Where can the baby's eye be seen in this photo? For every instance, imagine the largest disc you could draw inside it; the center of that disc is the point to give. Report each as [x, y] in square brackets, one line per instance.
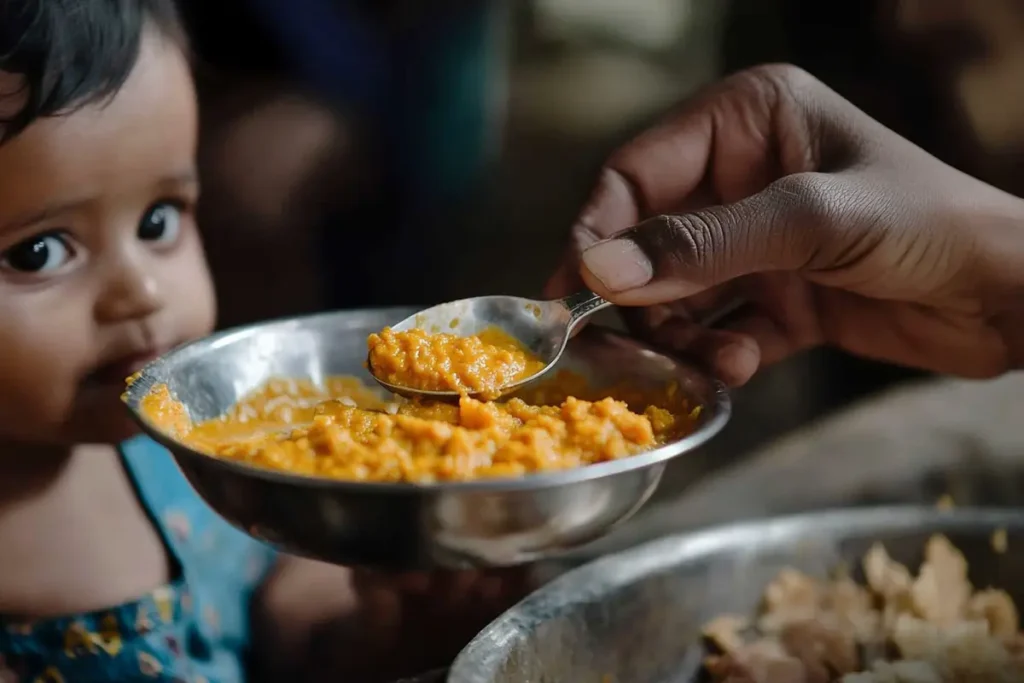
[161, 223]
[38, 254]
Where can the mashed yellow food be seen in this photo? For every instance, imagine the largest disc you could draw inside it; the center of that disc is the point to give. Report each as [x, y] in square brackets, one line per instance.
[342, 430]
[481, 364]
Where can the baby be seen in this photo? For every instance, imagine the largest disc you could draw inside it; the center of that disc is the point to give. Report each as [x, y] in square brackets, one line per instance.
[110, 567]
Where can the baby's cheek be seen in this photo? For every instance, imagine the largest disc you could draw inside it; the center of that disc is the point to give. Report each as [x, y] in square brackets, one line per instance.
[42, 358]
[191, 295]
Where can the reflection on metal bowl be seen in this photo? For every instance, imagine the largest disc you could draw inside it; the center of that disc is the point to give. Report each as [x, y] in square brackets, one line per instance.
[478, 523]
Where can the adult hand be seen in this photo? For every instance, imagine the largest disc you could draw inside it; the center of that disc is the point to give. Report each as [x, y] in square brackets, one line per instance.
[772, 190]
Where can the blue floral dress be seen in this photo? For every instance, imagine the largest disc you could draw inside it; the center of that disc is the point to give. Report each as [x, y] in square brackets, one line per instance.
[193, 630]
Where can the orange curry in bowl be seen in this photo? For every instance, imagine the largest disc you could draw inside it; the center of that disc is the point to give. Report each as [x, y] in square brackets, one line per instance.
[341, 429]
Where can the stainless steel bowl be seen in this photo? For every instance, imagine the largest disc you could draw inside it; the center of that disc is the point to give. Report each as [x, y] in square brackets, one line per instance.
[482, 523]
[636, 617]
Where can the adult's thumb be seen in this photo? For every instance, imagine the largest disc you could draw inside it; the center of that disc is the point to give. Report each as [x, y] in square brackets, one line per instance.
[674, 256]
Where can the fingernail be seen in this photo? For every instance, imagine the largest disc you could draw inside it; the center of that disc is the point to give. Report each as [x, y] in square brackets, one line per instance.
[619, 264]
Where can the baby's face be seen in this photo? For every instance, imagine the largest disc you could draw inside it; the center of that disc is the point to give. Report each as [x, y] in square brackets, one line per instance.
[101, 266]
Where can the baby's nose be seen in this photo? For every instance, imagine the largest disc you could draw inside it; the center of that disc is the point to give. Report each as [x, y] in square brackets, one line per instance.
[131, 291]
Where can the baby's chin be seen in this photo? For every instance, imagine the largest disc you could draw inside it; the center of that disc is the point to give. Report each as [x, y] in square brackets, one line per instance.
[94, 416]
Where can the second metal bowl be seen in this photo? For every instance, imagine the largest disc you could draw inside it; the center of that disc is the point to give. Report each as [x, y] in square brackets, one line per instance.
[404, 526]
[636, 617]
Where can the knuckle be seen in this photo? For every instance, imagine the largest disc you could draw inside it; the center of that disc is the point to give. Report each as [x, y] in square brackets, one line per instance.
[793, 97]
[690, 240]
[809, 207]
[835, 222]
[785, 78]
[788, 75]
[813, 198]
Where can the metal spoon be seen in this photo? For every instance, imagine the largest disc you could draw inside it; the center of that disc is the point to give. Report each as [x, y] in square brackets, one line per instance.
[542, 327]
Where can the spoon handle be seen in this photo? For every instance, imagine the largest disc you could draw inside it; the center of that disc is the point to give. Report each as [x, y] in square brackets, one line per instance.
[582, 304]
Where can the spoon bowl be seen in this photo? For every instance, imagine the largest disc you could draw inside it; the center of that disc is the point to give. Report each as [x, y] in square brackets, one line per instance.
[543, 328]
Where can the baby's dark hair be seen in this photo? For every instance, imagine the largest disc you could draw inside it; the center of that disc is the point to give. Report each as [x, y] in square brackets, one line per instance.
[71, 53]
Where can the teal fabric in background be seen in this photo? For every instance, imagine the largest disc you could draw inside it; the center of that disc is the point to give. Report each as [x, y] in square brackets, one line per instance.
[429, 77]
[432, 73]
[454, 91]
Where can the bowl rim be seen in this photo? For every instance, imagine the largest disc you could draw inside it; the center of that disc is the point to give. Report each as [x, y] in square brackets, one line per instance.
[485, 654]
[719, 408]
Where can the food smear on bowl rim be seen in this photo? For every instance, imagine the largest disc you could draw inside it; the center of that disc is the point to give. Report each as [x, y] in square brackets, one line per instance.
[482, 364]
[344, 430]
[935, 627]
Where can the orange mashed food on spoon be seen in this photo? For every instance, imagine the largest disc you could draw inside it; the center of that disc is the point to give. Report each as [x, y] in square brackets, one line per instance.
[480, 364]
